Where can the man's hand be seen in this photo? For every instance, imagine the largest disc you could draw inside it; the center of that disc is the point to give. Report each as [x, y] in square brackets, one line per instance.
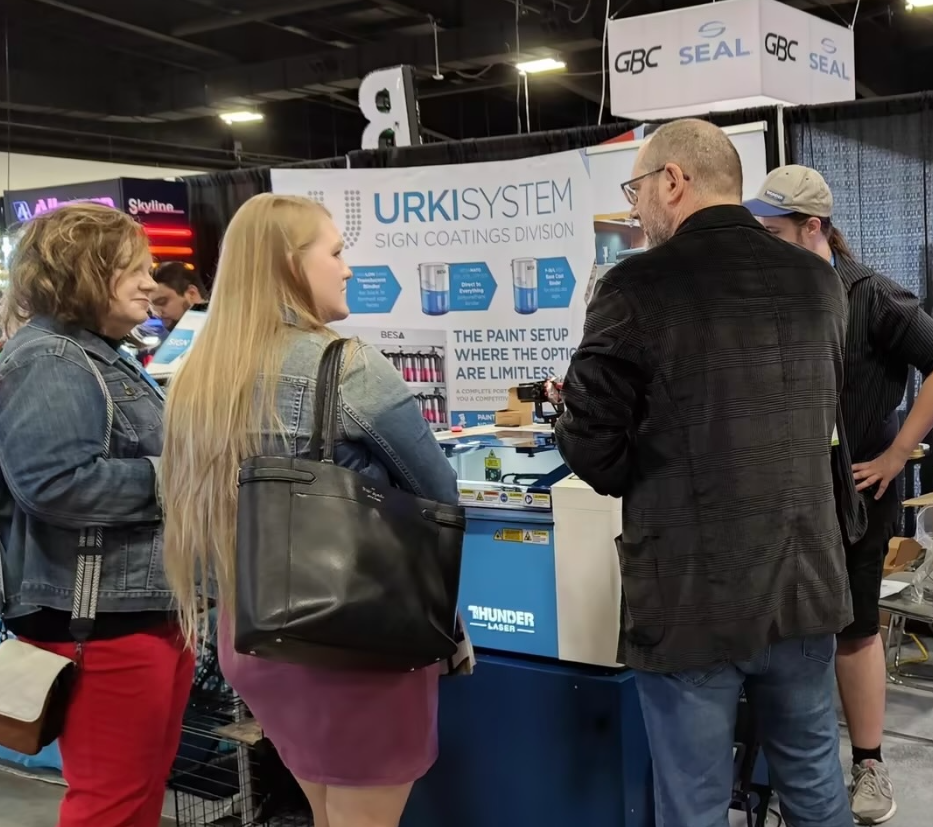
[881, 470]
[552, 388]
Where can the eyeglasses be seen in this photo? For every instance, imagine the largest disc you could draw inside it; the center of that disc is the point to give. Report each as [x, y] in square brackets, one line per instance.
[632, 194]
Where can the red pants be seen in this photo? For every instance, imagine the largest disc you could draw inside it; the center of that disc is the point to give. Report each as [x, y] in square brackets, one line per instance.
[123, 728]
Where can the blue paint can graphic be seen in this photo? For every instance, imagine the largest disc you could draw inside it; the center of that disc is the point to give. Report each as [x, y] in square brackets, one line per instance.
[435, 288]
[525, 285]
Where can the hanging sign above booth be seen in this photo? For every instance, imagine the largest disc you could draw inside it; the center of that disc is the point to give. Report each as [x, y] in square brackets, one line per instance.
[729, 55]
[389, 104]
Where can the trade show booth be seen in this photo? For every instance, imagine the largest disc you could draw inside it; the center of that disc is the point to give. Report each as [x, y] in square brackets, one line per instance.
[473, 262]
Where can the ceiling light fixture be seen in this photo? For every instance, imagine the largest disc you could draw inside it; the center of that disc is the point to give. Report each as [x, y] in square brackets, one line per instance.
[547, 64]
[230, 118]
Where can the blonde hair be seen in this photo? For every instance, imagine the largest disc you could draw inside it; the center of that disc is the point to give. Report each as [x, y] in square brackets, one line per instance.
[64, 263]
[212, 419]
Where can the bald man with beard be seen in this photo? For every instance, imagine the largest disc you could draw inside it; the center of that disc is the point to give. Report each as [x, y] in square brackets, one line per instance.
[705, 394]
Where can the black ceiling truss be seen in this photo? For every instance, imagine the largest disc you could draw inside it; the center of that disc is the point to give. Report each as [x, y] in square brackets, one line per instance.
[177, 64]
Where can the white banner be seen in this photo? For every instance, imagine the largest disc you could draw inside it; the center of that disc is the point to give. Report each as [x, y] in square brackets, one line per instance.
[473, 278]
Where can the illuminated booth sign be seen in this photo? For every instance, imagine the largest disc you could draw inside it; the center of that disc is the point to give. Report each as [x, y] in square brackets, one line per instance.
[160, 206]
[22, 205]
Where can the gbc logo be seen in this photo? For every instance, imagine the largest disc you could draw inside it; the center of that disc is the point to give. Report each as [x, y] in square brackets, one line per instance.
[780, 47]
[635, 61]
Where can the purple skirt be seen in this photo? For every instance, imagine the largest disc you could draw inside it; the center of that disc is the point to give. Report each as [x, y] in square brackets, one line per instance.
[347, 729]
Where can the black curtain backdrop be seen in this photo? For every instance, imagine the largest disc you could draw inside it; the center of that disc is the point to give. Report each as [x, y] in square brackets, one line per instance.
[504, 148]
[877, 157]
[511, 147]
[214, 198]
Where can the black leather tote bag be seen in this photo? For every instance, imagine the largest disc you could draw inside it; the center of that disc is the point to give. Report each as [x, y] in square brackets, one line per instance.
[337, 570]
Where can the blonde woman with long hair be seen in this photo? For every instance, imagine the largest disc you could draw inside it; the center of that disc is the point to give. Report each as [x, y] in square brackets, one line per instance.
[355, 741]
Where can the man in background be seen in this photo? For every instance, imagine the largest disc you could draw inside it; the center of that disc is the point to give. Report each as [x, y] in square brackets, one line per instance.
[178, 290]
[888, 333]
[704, 393]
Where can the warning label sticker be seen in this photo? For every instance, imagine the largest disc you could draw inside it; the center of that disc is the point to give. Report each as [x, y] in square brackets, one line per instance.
[517, 535]
[537, 538]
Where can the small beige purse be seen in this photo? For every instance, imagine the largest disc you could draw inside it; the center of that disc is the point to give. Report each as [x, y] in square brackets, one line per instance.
[36, 685]
[34, 696]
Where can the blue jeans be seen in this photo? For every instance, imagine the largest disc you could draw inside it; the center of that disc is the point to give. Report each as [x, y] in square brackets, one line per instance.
[691, 717]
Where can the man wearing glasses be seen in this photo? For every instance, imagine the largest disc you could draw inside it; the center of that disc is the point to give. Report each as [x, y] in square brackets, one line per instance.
[705, 393]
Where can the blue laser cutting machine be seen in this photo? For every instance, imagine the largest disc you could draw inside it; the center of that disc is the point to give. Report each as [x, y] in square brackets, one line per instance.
[548, 730]
[540, 573]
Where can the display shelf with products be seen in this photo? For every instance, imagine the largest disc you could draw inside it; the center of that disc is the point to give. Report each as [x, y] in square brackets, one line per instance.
[423, 372]
[420, 357]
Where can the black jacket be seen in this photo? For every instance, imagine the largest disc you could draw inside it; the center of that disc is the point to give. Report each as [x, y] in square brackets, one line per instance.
[704, 393]
[888, 333]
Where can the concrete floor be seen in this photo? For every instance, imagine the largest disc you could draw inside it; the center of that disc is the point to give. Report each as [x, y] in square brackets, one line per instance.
[31, 800]
[908, 749]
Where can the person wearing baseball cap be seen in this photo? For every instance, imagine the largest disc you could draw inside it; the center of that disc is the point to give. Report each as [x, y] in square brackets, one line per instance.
[887, 333]
[795, 204]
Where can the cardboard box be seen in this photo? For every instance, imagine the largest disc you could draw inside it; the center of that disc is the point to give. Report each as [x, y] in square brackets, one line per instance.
[516, 412]
[902, 551]
[919, 502]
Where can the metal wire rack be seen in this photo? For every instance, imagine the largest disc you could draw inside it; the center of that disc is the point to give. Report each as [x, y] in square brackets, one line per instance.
[226, 773]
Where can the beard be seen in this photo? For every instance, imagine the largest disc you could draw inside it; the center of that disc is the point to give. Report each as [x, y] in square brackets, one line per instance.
[658, 229]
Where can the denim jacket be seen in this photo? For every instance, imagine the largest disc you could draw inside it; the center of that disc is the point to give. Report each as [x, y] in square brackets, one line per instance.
[54, 481]
[382, 433]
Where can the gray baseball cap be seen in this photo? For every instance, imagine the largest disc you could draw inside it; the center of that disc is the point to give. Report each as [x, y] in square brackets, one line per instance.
[792, 189]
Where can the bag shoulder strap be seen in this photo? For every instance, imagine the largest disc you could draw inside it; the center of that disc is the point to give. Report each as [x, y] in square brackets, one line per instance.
[90, 542]
[326, 402]
[4, 634]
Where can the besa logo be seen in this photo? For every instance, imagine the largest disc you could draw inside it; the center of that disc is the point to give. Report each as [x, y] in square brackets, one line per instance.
[826, 64]
[635, 61]
[392, 334]
[709, 51]
[780, 47]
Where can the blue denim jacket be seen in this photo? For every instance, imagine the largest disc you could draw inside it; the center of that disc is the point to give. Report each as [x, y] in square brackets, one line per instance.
[382, 432]
[53, 481]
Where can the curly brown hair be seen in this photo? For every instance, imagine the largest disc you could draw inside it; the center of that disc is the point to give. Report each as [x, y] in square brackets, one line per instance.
[64, 262]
